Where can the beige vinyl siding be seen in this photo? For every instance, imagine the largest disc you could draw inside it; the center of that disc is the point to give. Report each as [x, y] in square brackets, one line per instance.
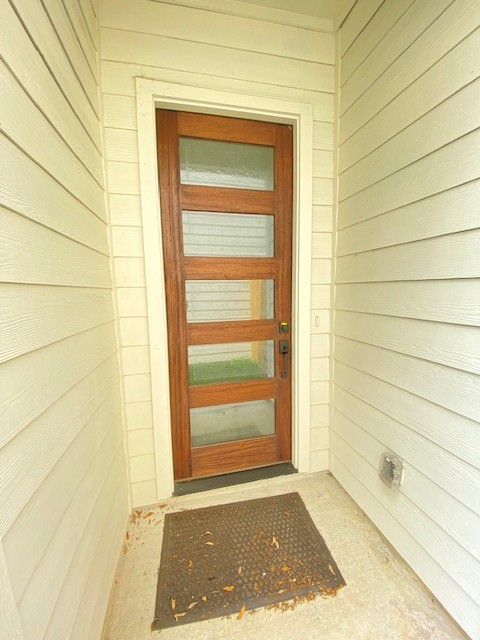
[210, 47]
[63, 487]
[407, 274]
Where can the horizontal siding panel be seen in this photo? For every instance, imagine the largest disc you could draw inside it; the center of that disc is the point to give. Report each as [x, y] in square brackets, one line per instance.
[320, 296]
[32, 383]
[320, 392]
[454, 256]
[318, 461]
[33, 317]
[28, 190]
[139, 415]
[322, 217]
[81, 32]
[119, 112]
[134, 331]
[63, 497]
[96, 570]
[110, 512]
[358, 484]
[449, 430]
[319, 345]
[322, 163]
[440, 481]
[321, 245]
[152, 50]
[452, 72]
[32, 72]
[123, 178]
[452, 119]
[359, 16]
[132, 302]
[455, 164]
[25, 125]
[452, 345]
[424, 34]
[33, 254]
[220, 29]
[378, 28]
[319, 369]
[85, 66]
[135, 360]
[127, 242]
[453, 301]
[323, 136]
[322, 191]
[125, 210]
[30, 457]
[121, 145]
[129, 272]
[319, 416]
[118, 78]
[45, 38]
[421, 220]
[454, 390]
[140, 442]
[142, 468]
[321, 271]
[137, 388]
[456, 563]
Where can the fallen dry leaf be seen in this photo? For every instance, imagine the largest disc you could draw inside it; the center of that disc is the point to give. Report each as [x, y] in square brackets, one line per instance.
[239, 570]
[125, 548]
[179, 615]
[229, 588]
[285, 568]
[147, 515]
[207, 533]
[190, 564]
[275, 542]
[210, 544]
[138, 512]
[127, 535]
[191, 605]
[242, 612]
[204, 598]
[330, 568]
[152, 626]
[174, 604]
[281, 591]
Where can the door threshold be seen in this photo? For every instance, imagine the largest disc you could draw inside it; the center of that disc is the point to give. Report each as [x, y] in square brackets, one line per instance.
[230, 479]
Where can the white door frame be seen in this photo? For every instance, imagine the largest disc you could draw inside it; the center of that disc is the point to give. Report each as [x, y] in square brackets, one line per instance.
[181, 97]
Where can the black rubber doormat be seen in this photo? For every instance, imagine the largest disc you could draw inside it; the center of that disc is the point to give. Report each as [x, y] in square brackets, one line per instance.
[232, 558]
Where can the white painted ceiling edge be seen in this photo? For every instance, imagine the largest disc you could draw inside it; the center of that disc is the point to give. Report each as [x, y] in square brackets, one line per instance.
[334, 10]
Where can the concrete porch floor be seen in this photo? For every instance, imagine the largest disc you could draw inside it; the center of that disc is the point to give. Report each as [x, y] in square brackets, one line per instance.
[383, 599]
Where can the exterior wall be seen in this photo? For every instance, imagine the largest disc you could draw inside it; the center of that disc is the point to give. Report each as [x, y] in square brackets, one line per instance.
[215, 48]
[407, 311]
[63, 488]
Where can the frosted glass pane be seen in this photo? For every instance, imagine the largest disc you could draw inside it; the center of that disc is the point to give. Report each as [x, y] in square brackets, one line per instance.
[226, 300]
[227, 234]
[230, 362]
[227, 422]
[226, 164]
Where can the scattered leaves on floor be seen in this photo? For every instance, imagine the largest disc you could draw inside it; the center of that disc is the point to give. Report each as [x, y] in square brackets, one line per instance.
[191, 605]
[177, 616]
[242, 612]
[275, 542]
[174, 603]
[229, 588]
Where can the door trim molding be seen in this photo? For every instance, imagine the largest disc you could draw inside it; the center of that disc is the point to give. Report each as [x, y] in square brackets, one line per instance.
[151, 94]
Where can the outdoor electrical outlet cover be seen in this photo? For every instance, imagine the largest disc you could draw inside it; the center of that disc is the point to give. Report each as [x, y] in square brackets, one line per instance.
[391, 470]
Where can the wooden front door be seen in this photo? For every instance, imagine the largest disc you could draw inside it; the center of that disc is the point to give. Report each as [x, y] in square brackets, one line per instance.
[226, 202]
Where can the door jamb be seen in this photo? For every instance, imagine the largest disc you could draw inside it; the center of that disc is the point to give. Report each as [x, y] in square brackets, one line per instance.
[151, 94]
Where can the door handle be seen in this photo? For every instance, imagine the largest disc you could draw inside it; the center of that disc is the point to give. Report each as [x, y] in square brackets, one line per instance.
[284, 351]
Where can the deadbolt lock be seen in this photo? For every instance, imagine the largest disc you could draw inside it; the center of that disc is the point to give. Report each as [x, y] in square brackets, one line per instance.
[284, 327]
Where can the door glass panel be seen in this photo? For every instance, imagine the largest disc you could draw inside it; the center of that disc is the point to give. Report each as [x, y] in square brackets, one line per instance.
[227, 234]
[227, 422]
[230, 362]
[236, 165]
[226, 300]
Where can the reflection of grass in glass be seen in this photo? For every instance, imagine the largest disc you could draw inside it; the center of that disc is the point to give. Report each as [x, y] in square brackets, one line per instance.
[234, 370]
